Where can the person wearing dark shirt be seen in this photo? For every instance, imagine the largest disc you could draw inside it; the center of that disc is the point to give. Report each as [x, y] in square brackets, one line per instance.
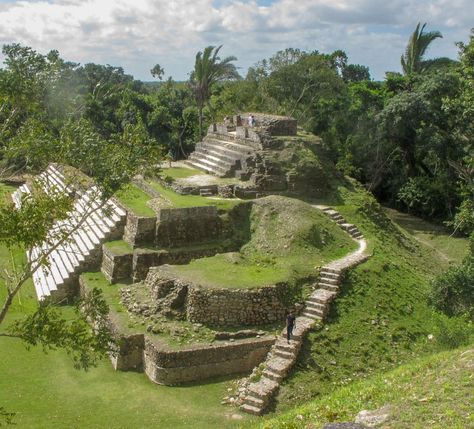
[290, 324]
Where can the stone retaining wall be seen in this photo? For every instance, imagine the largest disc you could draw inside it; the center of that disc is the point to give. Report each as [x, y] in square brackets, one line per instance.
[139, 230]
[227, 307]
[202, 362]
[116, 267]
[219, 307]
[183, 226]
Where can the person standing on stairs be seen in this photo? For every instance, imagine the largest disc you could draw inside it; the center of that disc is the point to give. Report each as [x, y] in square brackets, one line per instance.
[290, 325]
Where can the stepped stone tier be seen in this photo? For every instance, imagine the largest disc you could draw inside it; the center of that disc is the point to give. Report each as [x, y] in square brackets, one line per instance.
[229, 148]
[90, 223]
[283, 354]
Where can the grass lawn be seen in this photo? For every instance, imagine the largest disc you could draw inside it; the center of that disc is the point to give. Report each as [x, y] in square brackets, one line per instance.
[119, 247]
[136, 200]
[449, 249]
[180, 172]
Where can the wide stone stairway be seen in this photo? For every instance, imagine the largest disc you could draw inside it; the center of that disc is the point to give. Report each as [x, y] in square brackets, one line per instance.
[90, 223]
[220, 157]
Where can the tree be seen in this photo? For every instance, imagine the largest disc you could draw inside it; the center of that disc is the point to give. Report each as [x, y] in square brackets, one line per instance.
[157, 71]
[208, 70]
[112, 164]
[412, 60]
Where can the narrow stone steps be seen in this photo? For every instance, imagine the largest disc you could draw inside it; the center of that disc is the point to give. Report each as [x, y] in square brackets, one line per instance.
[328, 286]
[254, 402]
[271, 375]
[330, 280]
[250, 409]
[313, 313]
[284, 354]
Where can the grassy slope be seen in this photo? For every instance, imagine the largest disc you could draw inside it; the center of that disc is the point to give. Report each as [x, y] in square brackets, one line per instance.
[380, 320]
[289, 239]
[434, 391]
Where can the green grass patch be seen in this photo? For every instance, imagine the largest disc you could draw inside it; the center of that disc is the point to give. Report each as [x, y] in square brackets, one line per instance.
[178, 200]
[136, 200]
[119, 247]
[435, 391]
[180, 172]
[289, 241]
[450, 249]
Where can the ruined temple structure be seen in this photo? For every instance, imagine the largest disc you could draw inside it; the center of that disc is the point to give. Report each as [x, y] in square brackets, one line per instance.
[233, 148]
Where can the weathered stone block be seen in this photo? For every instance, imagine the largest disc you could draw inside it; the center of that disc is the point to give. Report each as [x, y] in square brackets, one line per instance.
[139, 230]
[182, 226]
[116, 267]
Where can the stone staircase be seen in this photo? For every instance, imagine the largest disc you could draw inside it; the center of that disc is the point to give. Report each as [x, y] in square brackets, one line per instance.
[219, 157]
[282, 355]
[90, 223]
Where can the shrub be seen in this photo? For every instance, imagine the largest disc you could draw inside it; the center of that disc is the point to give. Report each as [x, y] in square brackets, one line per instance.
[453, 291]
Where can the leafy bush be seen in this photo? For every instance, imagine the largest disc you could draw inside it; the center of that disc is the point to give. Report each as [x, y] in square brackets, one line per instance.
[453, 332]
[453, 291]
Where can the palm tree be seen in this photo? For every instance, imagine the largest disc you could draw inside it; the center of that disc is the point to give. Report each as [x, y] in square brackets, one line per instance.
[412, 60]
[209, 69]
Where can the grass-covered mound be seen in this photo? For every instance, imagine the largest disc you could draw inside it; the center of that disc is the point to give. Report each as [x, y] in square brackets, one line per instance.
[288, 241]
[306, 159]
[435, 391]
[382, 317]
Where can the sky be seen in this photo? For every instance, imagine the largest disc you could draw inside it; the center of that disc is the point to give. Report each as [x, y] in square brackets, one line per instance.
[138, 34]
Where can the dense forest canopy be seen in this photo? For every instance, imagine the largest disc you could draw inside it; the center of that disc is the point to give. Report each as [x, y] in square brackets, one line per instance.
[408, 139]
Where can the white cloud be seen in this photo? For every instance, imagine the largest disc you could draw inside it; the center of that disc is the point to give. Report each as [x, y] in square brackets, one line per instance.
[137, 34]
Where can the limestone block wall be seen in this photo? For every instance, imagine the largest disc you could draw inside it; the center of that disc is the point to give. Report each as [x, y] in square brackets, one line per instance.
[129, 356]
[164, 366]
[183, 226]
[116, 267]
[277, 125]
[139, 230]
[228, 307]
[219, 307]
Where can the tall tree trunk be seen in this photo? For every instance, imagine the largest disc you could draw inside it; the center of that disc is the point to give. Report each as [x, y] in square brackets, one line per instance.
[200, 122]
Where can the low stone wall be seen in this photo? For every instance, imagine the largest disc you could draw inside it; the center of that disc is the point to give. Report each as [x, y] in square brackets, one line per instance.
[202, 362]
[139, 230]
[228, 307]
[182, 226]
